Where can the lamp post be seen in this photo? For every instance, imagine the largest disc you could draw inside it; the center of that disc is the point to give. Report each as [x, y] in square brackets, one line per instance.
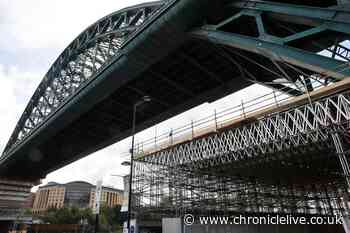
[143, 100]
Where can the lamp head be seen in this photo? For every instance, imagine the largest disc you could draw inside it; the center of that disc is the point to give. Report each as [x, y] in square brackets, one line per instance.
[146, 98]
[126, 163]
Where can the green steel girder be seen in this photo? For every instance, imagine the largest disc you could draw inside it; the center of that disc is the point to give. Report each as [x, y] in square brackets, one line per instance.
[335, 19]
[309, 15]
[318, 20]
[321, 19]
[311, 61]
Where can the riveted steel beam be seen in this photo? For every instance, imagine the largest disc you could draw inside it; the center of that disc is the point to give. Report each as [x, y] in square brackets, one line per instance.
[335, 16]
[311, 61]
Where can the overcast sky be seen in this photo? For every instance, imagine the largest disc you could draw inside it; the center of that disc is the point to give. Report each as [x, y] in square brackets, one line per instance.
[32, 35]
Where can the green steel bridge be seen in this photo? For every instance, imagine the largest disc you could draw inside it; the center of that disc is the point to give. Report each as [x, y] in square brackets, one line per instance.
[183, 53]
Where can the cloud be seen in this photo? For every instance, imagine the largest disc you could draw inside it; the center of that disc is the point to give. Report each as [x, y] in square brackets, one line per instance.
[100, 165]
[48, 23]
[16, 87]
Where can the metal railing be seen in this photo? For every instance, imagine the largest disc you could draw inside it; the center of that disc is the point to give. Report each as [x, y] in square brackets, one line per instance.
[220, 119]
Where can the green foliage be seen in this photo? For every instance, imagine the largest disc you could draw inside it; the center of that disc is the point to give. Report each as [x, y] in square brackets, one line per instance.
[110, 219]
[27, 212]
[66, 215]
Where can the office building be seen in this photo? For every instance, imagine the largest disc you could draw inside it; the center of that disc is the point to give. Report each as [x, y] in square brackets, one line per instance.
[79, 194]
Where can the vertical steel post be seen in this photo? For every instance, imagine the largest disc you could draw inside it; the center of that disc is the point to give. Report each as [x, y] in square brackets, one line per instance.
[346, 170]
[192, 129]
[334, 52]
[144, 99]
[275, 98]
[131, 165]
[342, 156]
[155, 138]
[307, 91]
[243, 112]
[171, 136]
[216, 121]
[96, 223]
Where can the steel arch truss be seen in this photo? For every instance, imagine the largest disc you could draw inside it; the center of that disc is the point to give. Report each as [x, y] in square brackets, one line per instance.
[80, 62]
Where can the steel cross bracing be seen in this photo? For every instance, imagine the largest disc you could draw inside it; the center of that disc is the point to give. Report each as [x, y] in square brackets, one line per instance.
[311, 123]
[174, 191]
[286, 33]
[203, 175]
[81, 62]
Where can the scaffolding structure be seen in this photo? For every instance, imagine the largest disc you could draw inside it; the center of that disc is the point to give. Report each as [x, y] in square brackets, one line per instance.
[289, 162]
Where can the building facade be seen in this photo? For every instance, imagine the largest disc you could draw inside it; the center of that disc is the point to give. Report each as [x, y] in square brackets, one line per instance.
[49, 196]
[77, 194]
[109, 197]
[73, 194]
[29, 201]
[14, 194]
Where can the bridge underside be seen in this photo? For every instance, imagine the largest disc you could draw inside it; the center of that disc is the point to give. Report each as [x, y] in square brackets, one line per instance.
[193, 74]
[189, 54]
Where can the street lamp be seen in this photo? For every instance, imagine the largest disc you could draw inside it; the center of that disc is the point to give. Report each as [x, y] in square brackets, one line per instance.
[140, 102]
[121, 176]
[126, 163]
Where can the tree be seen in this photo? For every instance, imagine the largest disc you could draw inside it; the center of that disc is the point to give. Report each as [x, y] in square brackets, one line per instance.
[110, 218]
[28, 212]
[66, 215]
